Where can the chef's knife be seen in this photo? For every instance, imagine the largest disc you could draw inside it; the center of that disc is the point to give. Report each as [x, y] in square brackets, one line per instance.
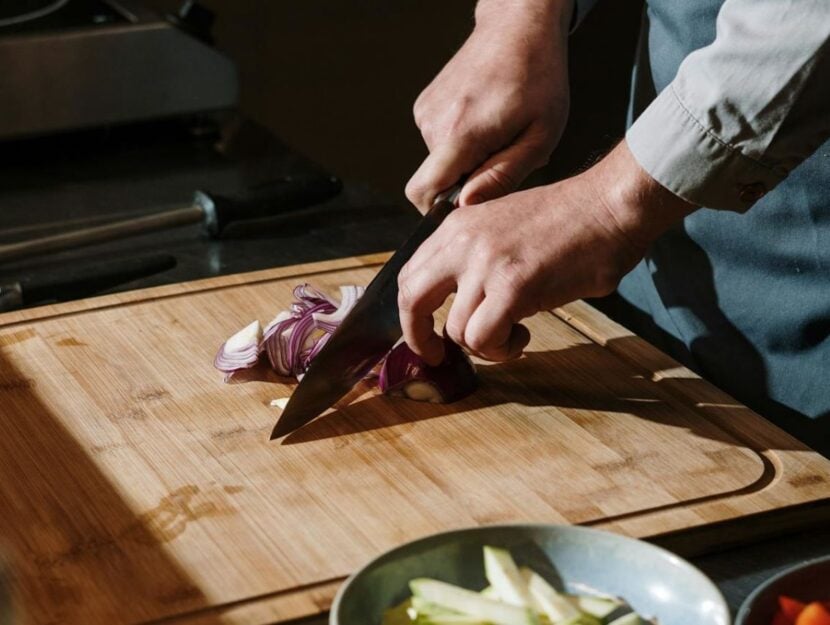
[75, 281]
[364, 337]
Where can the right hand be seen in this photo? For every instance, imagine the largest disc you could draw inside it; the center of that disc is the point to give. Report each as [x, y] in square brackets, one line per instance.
[497, 109]
[531, 251]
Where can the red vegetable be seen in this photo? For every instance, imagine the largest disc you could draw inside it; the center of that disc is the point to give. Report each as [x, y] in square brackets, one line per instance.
[241, 351]
[814, 613]
[293, 338]
[794, 612]
[790, 607]
[405, 373]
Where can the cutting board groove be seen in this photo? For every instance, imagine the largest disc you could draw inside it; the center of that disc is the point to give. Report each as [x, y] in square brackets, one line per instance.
[138, 488]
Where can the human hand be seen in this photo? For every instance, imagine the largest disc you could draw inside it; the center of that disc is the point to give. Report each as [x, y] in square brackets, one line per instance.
[530, 251]
[496, 111]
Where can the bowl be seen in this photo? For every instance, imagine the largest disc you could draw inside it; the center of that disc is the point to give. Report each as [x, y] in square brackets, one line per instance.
[808, 581]
[655, 582]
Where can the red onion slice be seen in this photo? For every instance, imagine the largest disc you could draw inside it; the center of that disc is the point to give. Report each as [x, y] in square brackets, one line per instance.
[348, 298]
[405, 373]
[295, 337]
[241, 351]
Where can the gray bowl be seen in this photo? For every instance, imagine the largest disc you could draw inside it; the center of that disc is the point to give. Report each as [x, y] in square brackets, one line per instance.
[655, 582]
[808, 581]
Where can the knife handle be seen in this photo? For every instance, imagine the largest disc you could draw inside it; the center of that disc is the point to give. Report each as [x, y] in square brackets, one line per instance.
[451, 194]
[442, 206]
[267, 200]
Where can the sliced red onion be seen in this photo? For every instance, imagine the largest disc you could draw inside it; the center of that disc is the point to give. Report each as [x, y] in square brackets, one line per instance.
[241, 351]
[405, 373]
[348, 298]
[295, 337]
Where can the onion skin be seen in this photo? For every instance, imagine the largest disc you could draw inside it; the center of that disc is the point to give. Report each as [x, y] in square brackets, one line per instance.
[241, 351]
[295, 337]
[454, 379]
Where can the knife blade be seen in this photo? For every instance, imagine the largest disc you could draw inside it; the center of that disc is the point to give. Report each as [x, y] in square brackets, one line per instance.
[364, 337]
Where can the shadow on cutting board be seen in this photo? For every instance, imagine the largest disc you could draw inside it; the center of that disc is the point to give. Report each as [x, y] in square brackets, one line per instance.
[578, 378]
[78, 553]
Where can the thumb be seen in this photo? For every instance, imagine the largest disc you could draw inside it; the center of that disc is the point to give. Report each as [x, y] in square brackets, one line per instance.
[442, 169]
[504, 171]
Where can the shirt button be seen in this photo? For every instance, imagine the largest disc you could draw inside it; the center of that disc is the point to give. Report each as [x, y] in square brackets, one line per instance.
[752, 192]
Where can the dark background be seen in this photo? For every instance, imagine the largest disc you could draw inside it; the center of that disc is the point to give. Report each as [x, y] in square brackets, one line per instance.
[337, 79]
[333, 80]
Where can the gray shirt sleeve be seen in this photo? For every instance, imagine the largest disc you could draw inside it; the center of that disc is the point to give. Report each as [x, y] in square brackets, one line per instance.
[744, 111]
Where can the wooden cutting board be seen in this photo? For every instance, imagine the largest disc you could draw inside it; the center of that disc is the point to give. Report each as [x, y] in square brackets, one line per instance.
[135, 486]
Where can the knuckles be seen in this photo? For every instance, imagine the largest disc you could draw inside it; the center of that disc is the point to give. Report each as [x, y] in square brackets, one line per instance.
[477, 342]
[455, 331]
[442, 119]
[414, 191]
[409, 300]
[501, 180]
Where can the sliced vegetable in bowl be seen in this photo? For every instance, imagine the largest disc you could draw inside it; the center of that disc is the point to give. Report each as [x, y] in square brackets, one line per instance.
[585, 566]
[515, 596]
[794, 612]
[799, 595]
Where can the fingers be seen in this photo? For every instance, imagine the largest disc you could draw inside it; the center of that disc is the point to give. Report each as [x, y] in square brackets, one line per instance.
[442, 168]
[503, 172]
[467, 299]
[484, 326]
[420, 294]
[492, 334]
[481, 318]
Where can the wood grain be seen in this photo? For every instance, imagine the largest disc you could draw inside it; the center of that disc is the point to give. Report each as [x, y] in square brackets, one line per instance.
[137, 487]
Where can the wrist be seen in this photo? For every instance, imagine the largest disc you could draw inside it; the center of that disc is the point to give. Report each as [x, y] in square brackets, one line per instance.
[641, 207]
[550, 18]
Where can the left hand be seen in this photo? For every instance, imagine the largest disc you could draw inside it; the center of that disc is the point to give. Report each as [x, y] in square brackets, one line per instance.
[496, 111]
[530, 251]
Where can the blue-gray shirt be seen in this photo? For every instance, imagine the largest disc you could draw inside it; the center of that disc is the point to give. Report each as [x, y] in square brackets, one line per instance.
[731, 110]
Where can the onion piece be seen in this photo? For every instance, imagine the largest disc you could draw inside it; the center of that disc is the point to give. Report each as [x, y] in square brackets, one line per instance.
[295, 337]
[405, 373]
[348, 298]
[241, 351]
[280, 402]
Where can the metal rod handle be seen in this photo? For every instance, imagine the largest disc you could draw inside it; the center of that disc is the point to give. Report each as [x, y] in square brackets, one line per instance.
[101, 234]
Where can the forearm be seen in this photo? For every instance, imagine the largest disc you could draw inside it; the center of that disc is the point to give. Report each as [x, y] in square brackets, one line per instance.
[531, 16]
[637, 205]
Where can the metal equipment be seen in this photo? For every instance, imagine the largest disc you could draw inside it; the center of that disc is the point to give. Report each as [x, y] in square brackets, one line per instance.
[71, 64]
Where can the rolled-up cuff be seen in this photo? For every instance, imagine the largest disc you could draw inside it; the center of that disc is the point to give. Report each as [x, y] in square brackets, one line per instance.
[684, 156]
